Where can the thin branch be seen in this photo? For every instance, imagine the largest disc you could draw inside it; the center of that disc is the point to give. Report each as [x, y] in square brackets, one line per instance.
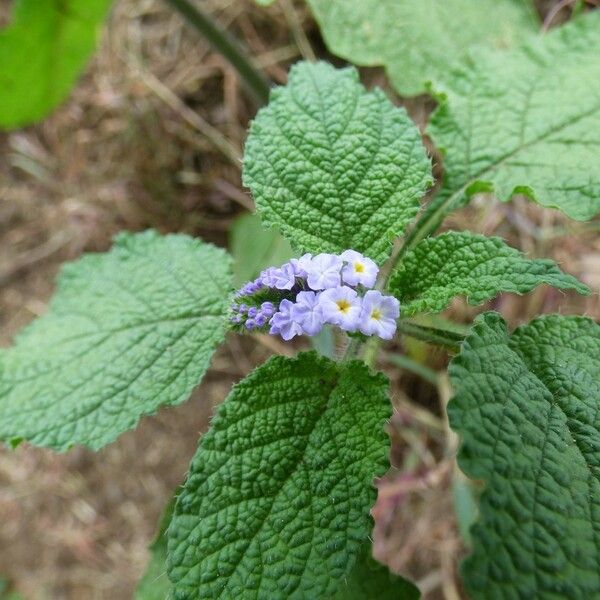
[431, 335]
[254, 80]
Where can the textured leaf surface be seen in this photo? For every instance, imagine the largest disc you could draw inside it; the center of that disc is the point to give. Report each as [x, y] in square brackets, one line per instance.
[418, 41]
[155, 584]
[333, 165]
[527, 407]
[255, 248]
[277, 500]
[127, 332]
[465, 264]
[527, 121]
[370, 580]
[42, 52]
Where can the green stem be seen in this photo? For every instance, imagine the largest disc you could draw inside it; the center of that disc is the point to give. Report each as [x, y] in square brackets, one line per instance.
[351, 349]
[429, 223]
[408, 364]
[431, 335]
[371, 351]
[256, 83]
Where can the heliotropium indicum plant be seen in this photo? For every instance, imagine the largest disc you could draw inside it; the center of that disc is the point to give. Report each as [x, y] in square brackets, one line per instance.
[278, 496]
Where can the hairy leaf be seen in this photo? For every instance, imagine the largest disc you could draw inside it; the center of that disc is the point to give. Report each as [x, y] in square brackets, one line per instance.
[465, 264]
[527, 408]
[155, 584]
[42, 52]
[333, 165]
[127, 332]
[371, 580]
[254, 248]
[417, 42]
[526, 122]
[277, 501]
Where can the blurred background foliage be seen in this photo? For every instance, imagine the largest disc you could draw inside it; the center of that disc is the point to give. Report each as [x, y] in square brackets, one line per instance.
[151, 136]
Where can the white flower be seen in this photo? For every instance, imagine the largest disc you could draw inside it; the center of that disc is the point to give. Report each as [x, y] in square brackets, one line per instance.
[341, 306]
[378, 315]
[323, 271]
[359, 269]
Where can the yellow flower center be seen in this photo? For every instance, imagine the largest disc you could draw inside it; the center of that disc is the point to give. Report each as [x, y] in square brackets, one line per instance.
[343, 305]
[359, 267]
[376, 314]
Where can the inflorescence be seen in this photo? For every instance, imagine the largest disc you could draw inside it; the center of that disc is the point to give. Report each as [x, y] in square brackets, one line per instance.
[304, 294]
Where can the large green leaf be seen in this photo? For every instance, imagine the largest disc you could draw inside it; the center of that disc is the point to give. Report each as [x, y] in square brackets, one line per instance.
[527, 407]
[155, 584]
[127, 332]
[333, 165]
[526, 121]
[42, 52]
[417, 42]
[465, 264]
[255, 248]
[370, 580]
[277, 500]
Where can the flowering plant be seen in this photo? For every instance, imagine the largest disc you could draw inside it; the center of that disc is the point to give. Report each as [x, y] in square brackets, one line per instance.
[277, 500]
[303, 295]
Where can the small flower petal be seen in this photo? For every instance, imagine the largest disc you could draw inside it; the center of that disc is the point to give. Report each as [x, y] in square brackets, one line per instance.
[341, 306]
[301, 265]
[323, 271]
[282, 322]
[359, 269]
[378, 315]
[307, 312]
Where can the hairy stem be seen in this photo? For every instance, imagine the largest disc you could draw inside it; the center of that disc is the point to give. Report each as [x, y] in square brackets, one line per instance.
[254, 80]
[408, 364]
[352, 349]
[431, 335]
[428, 223]
[371, 351]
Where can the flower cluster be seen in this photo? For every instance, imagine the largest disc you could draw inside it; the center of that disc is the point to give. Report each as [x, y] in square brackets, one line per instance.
[308, 292]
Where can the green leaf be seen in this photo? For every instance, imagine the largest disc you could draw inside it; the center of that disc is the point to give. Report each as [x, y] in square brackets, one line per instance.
[527, 409]
[465, 264]
[42, 52]
[333, 165]
[417, 42]
[277, 501]
[526, 122]
[155, 584]
[371, 580]
[127, 332]
[254, 248]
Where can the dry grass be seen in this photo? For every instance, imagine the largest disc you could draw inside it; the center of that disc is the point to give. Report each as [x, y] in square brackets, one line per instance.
[151, 138]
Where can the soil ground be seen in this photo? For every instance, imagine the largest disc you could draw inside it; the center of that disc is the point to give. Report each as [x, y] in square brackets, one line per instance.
[151, 138]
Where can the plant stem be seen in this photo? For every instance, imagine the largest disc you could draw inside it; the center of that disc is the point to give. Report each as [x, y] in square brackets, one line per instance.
[408, 364]
[431, 335]
[255, 82]
[351, 349]
[371, 351]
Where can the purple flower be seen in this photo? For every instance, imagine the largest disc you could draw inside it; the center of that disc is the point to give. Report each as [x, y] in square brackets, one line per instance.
[281, 278]
[283, 323]
[250, 324]
[267, 308]
[249, 288]
[323, 271]
[379, 314]
[359, 269]
[252, 312]
[301, 265]
[341, 306]
[260, 319]
[307, 312]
